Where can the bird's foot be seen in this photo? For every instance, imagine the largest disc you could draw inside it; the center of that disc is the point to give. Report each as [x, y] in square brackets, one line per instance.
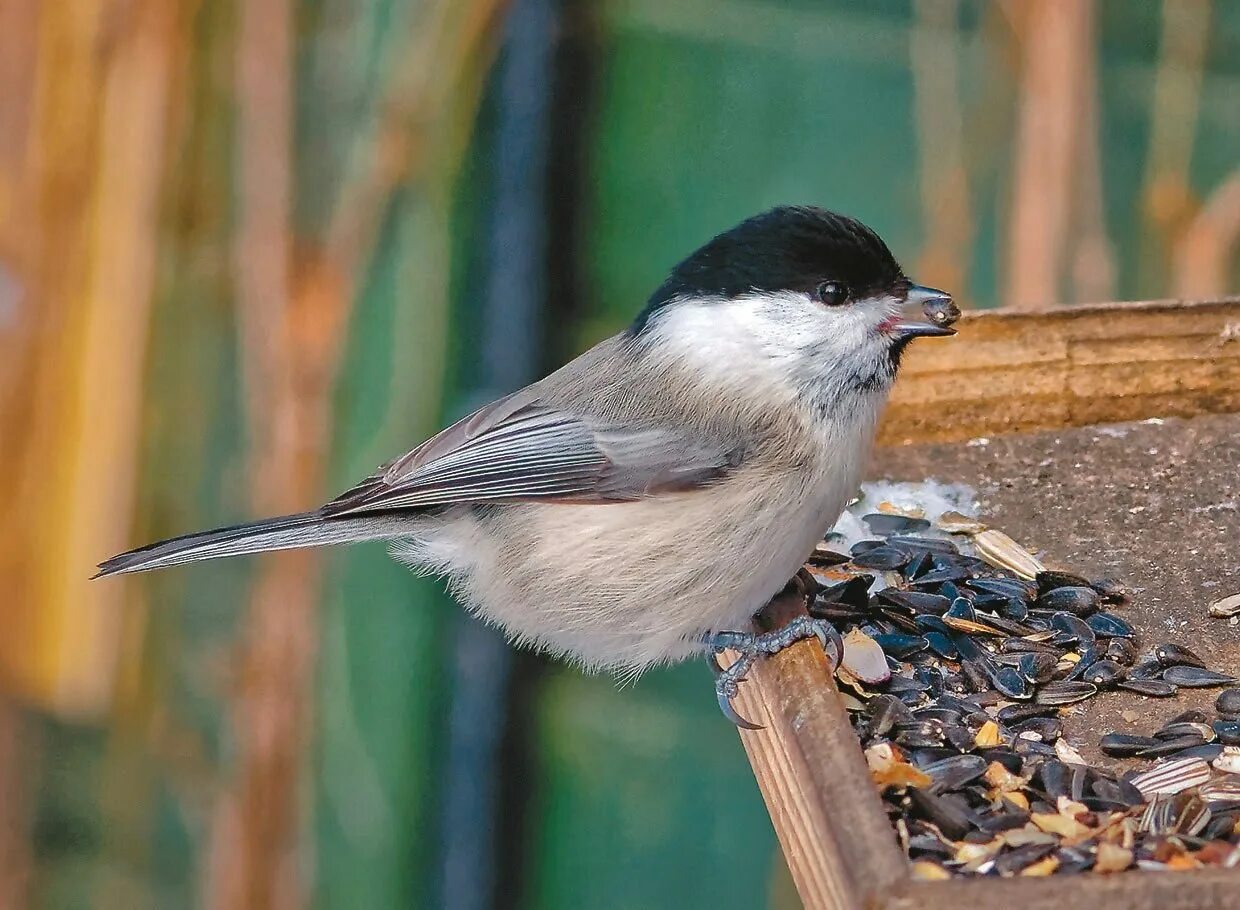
[751, 646]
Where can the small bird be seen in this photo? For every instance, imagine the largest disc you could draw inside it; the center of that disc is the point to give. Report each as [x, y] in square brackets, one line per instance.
[642, 503]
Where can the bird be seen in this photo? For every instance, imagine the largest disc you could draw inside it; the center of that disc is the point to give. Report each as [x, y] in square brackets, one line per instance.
[641, 504]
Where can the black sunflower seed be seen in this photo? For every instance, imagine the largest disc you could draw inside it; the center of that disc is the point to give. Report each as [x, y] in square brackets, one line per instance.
[1108, 625]
[1074, 626]
[1121, 651]
[855, 592]
[1145, 667]
[882, 558]
[1227, 731]
[1011, 588]
[1073, 599]
[1050, 580]
[1170, 654]
[1171, 746]
[915, 601]
[932, 544]
[1176, 727]
[1014, 860]
[1103, 673]
[1228, 702]
[1014, 714]
[1056, 779]
[1207, 752]
[919, 564]
[954, 821]
[941, 644]
[1125, 745]
[939, 576]
[884, 524]
[898, 645]
[955, 773]
[1154, 688]
[1037, 667]
[1191, 677]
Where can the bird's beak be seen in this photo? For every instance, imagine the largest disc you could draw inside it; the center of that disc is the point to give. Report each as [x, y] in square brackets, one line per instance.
[935, 306]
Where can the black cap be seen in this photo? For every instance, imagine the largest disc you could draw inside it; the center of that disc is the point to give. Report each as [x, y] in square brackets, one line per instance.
[789, 248]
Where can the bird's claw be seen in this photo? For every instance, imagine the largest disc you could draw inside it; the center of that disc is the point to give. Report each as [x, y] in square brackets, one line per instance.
[751, 646]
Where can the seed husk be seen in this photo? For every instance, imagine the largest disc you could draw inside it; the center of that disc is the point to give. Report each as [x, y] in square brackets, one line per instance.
[1227, 606]
[1003, 552]
[955, 523]
[864, 659]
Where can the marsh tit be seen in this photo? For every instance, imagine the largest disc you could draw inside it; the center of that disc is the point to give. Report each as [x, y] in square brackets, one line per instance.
[642, 503]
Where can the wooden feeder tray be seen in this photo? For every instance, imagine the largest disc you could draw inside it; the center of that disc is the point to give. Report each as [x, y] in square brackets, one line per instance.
[1153, 502]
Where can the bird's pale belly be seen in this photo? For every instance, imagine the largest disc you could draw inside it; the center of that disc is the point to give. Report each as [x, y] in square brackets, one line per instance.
[623, 599]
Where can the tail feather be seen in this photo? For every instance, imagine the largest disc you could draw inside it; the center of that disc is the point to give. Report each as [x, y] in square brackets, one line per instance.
[305, 529]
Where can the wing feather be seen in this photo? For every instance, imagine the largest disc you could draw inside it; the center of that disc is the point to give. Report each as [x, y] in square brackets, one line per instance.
[521, 449]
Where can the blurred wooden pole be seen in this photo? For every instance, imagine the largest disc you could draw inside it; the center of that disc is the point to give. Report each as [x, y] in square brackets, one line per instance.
[1056, 38]
[1167, 200]
[82, 235]
[255, 863]
[946, 209]
[1205, 256]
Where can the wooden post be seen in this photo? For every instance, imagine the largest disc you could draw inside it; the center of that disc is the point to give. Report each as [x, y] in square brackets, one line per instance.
[835, 836]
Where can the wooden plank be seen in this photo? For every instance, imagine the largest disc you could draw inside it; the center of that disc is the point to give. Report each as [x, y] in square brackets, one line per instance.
[838, 844]
[1131, 891]
[1011, 372]
[835, 834]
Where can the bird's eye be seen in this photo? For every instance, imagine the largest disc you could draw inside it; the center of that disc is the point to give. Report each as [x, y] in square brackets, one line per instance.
[833, 293]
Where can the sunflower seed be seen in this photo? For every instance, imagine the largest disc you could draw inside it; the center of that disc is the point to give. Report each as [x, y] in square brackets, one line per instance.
[1108, 625]
[884, 524]
[1228, 606]
[1125, 745]
[1154, 688]
[1228, 703]
[1170, 654]
[1228, 732]
[1196, 677]
[1172, 776]
[1064, 693]
[1003, 552]
[1078, 600]
[882, 558]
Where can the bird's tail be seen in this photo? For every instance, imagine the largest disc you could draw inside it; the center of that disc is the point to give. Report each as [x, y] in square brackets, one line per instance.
[306, 529]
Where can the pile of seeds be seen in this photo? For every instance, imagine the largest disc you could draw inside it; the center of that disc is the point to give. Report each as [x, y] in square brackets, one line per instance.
[958, 674]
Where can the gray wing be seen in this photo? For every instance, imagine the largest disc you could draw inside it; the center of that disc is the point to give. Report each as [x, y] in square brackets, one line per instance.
[519, 448]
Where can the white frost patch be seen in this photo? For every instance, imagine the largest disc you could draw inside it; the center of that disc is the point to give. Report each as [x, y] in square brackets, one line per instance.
[930, 497]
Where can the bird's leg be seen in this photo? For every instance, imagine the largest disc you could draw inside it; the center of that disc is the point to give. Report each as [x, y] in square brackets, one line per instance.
[752, 645]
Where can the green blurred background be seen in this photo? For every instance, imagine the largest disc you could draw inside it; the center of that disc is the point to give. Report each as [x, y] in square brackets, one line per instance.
[250, 249]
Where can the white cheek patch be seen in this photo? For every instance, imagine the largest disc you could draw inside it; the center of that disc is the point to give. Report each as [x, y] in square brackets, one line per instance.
[781, 340]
